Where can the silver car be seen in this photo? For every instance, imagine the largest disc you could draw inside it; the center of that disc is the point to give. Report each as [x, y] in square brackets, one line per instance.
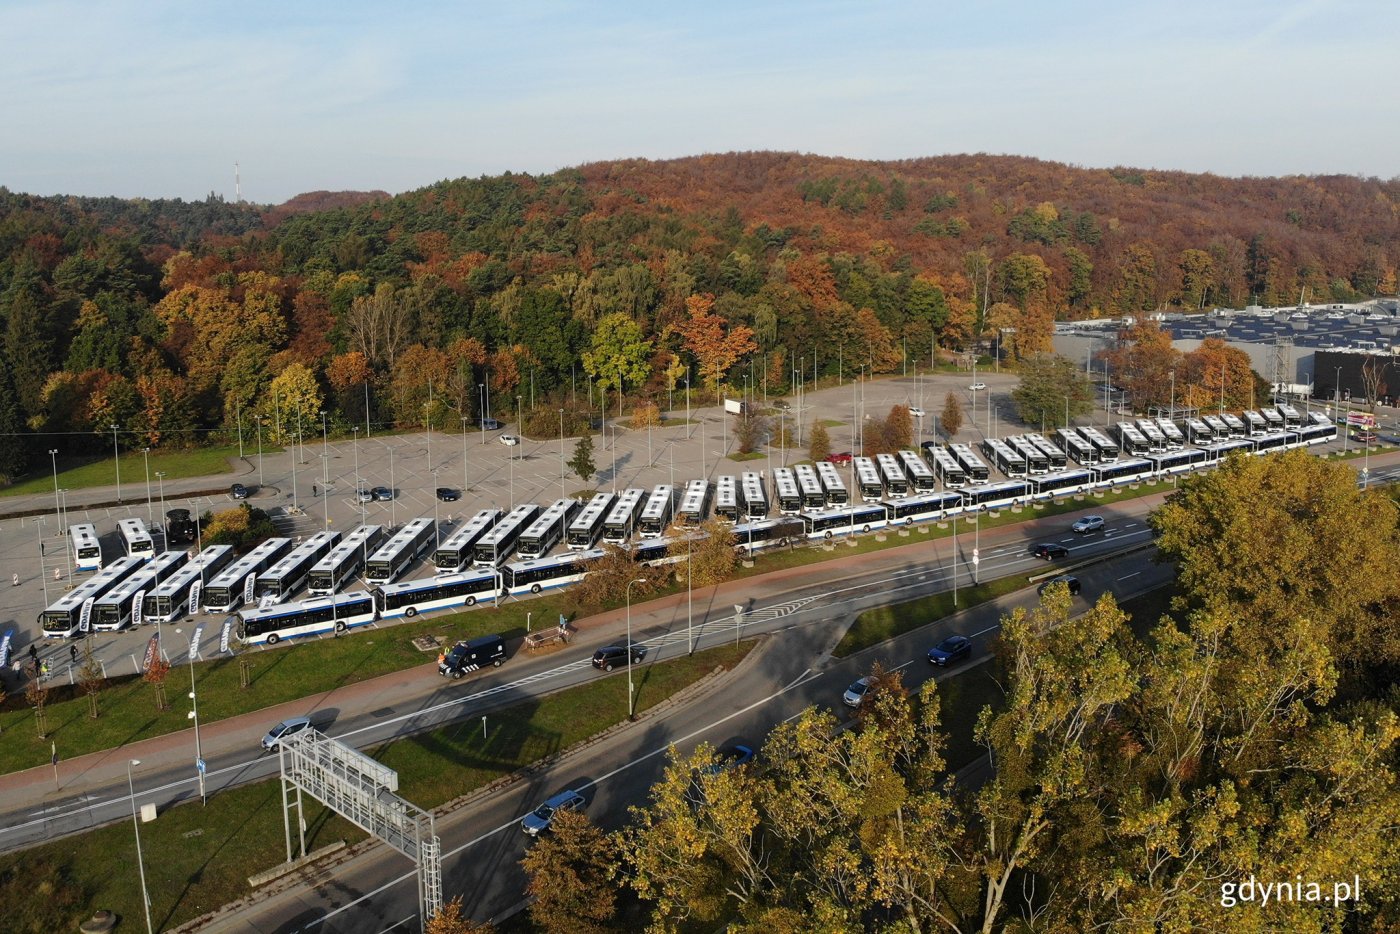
[855, 694]
[542, 817]
[281, 731]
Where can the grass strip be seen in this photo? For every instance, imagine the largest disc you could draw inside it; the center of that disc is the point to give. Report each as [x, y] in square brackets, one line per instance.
[76, 474]
[199, 858]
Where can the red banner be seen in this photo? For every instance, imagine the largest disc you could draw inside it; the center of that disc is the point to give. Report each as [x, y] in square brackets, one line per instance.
[151, 648]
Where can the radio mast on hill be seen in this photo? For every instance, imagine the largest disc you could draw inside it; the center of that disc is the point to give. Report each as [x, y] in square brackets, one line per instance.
[237, 185]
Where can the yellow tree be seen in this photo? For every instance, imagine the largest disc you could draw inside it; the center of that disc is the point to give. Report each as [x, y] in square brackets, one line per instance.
[293, 398]
[716, 347]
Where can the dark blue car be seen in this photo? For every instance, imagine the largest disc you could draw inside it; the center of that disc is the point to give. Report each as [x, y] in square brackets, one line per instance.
[950, 650]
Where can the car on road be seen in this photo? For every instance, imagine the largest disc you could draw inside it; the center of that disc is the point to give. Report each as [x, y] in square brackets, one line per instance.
[917, 412]
[1049, 551]
[977, 387]
[470, 656]
[855, 694]
[490, 424]
[1068, 580]
[509, 441]
[840, 460]
[1365, 437]
[239, 491]
[782, 405]
[447, 494]
[1087, 524]
[382, 493]
[364, 495]
[729, 757]
[950, 650]
[611, 656]
[542, 817]
[281, 731]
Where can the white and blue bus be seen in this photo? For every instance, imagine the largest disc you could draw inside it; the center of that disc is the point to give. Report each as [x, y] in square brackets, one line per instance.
[695, 502]
[809, 487]
[1037, 462]
[995, 495]
[136, 541]
[172, 598]
[656, 513]
[457, 551]
[440, 592]
[313, 617]
[1156, 441]
[617, 528]
[923, 507]
[868, 479]
[896, 484]
[945, 465]
[1063, 483]
[499, 544]
[786, 492]
[537, 574]
[833, 487]
[400, 551]
[1107, 450]
[228, 590]
[1004, 458]
[547, 530]
[64, 617]
[921, 476]
[343, 561]
[727, 498]
[1057, 458]
[766, 533]
[972, 465]
[291, 570]
[755, 494]
[118, 607]
[1073, 444]
[87, 550]
[587, 527]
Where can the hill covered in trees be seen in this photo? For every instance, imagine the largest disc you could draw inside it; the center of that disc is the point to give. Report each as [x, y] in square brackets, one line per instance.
[173, 319]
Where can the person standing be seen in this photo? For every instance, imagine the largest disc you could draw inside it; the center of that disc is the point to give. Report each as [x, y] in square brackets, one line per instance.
[33, 652]
[14, 580]
[73, 653]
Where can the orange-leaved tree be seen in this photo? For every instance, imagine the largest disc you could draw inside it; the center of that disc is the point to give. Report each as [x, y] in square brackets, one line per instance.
[715, 346]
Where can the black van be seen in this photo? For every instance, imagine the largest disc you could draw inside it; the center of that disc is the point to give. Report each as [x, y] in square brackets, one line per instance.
[469, 656]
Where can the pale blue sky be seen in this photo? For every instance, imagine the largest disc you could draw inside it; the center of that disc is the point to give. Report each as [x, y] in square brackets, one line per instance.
[159, 98]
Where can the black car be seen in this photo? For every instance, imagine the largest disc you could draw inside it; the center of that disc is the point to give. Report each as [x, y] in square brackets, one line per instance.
[382, 494]
[610, 656]
[1049, 551]
[1068, 580]
[469, 656]
[447, 494]
[950, 650]
[238, 491]
[179, 527]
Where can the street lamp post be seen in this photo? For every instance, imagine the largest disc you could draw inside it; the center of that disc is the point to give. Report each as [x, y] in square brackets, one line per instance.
[258, 419]
[358, 498]
[689, 583]
[464, 456]
[325, 470]
[57, 508]
[136, 826]
[116, 462]
[160, 481]
[198, 752]
[561, 452]
[630, 706]
[687, 407]
[146, 460]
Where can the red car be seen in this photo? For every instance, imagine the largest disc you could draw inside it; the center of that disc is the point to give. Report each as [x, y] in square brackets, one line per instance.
[841, 460]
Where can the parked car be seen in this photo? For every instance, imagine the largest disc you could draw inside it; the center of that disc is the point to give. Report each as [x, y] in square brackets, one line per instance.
[917, 412]
[855, 694]
[841, 459]
[382, 493]
[1365, 437]
[490, 424]
[284, 729]
[1068, 580]
[729, 757]
[977, 387]
[1049, 551]
[469, 656]
[239, 491]
[950, 650]
[542, 817]
[782, 405]
[447, 494]
[364, 495]
[1087, 524]
[509, 441]
[611, 656]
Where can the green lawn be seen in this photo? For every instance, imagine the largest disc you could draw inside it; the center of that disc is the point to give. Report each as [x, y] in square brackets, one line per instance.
[882, 623]
[75, 474]
[198, 858]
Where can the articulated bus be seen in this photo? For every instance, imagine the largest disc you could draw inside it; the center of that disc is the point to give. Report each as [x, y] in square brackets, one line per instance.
[120, 606]
[765, 533]
[896, 484]
[786, 492]
[64, 617]
[499, 544]
[1179, 461]
[949, 470]
[924, 507]
[1175, 440]
[1108, 451]
[587, 526]
[87, 550]
[1236, 426]
[286, 576]
[1074, 445]
[972, 465]
[440, 592]
[1003, 458]
[1123, 471]
[176, 594]
[656, 514]
[319, 615]
[695, 502]
[456, 552]
[230, 587]
[400, 551]
[622, 519]
[135, 539]
[1062, 483]
[833, 486]
[1036, 461]
[845, 520]
[1056, 458]
[655, 552]
[1131, 440]
[755, 495]
[547, 530]
[996, 495]
[1156, 441]
[1254, 423]
[343, 561]
[921, 476]
[727, 498]
[868, 480]
[539, 574]
[809, 487]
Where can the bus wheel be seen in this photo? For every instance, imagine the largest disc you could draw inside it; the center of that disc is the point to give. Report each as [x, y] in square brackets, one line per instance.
[340, 625]
[534, 588]
[272, 638]
[827, 535]
[496, 663]
[471, 601]
[865, 528]
[410, 612]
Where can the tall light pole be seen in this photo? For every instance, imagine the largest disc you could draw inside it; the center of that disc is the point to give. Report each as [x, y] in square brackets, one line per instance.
[258, 419]
[146, 459]
[561, 452]
[160, 480]
[325, 470]
[630, 651]
[141, 866]
[689, 583]
[481, 410]
[57, 509]
[198, 753]
[358, 485]
[686, 380]
[295, 457]
[1171, 412]
[116, 462]
[464, 456]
